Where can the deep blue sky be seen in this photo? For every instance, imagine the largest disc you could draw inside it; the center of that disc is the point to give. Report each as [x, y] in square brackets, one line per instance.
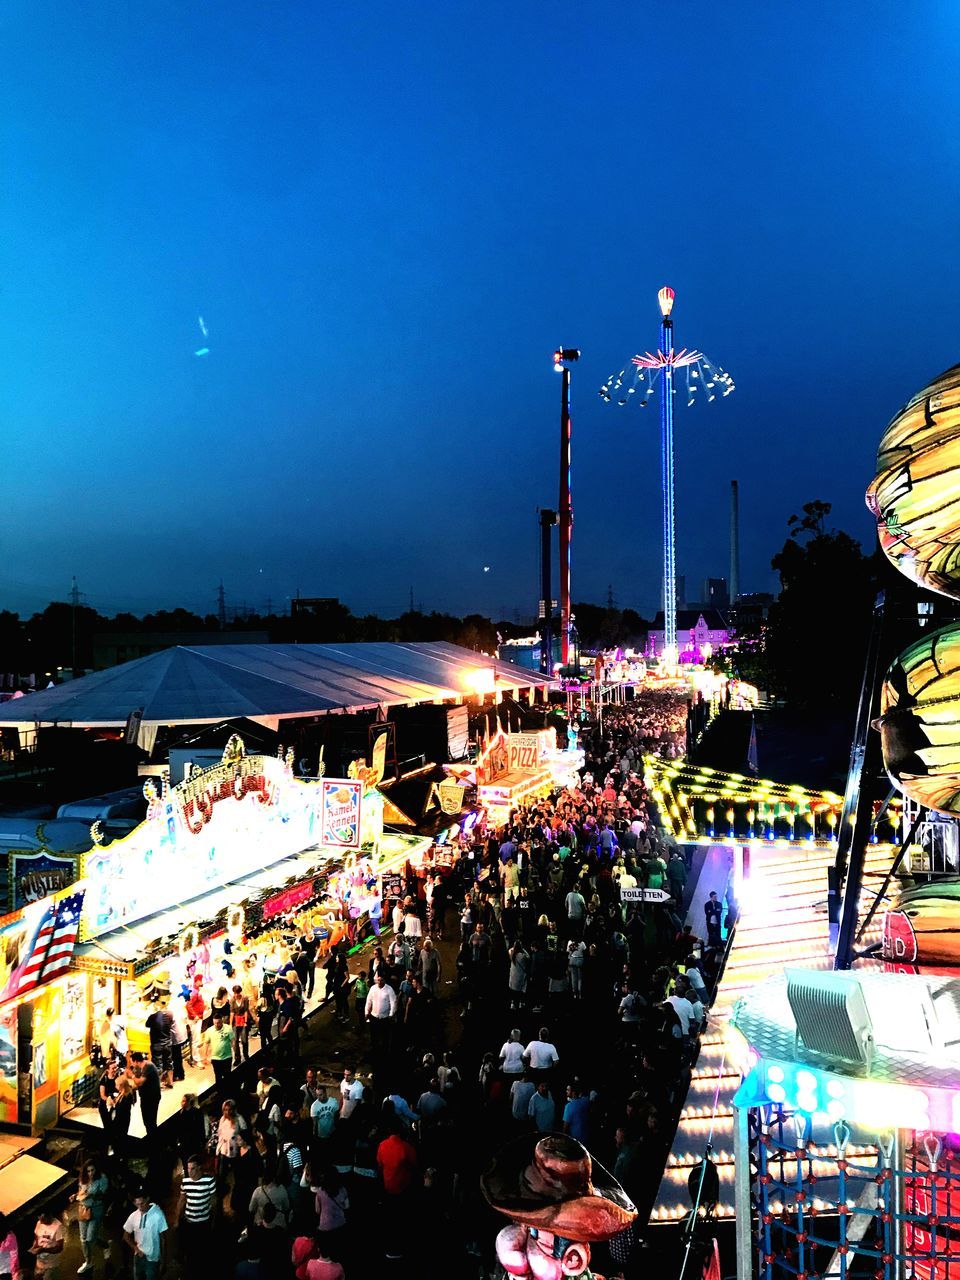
[388, 216]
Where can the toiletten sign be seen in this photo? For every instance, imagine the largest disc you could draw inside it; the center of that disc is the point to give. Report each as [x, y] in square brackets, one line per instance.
[219, 825]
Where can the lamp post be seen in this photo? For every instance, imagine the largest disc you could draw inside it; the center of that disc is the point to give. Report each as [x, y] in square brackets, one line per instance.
[563, 357]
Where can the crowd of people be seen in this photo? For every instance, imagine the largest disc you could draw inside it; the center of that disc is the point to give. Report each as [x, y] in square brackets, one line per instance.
[520, 990]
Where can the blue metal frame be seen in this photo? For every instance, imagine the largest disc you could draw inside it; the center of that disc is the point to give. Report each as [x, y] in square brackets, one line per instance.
[795, 1238]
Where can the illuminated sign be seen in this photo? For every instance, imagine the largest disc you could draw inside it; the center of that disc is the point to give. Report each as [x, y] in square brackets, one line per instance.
[35, 875]
[451, 795]
[289, 899]
[528, 751]
[217, 826]
[494, 760]
[341, 813]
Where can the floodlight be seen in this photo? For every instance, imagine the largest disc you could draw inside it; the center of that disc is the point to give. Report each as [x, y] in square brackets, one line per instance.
[831, 1015]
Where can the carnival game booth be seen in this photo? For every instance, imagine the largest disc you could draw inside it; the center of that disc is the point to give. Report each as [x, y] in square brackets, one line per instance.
[227, 869]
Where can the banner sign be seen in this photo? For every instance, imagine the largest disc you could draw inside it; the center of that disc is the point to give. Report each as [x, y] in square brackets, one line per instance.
[217, 826]
[644, 895]
[391, 885]
[528, 751]
[289, 899]
[494, 759]
[378, 757]
[451, 795]
[35, 875]
[341, 813]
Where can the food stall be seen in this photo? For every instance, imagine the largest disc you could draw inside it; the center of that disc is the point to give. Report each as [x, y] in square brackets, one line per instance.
[521, 767]
[228, 864]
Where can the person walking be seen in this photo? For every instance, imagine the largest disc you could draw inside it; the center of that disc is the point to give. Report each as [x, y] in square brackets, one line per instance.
[123, 1104]
[511, 1054]
[108, 1096]
[521, 1091]
[339, 981]
[146, 1078]
[91, 1201]
[380, 1009]
[542, 1109]
[160, 1026]
[290, 1010]
[361, 989]
[240, 1018]
[519, 974]
[266, 1012]
[323, 1115]
[269, 1204]
[713, 910]
[576, 909]
[429, 967]
[677, 877]
[309, 944]
[9, 1251]
[230, 1128]
[47, 1245]
[192, 1128]
[541, 1055]
[218, 1041]
[576, 955]
[144, 1232]
[195, 1217]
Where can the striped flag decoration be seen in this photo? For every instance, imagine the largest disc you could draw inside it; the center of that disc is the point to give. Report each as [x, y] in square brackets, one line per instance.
[53, 944]
[60, 950]
[28, 973]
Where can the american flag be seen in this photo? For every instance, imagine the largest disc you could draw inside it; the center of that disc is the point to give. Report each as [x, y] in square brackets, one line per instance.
[53, 944]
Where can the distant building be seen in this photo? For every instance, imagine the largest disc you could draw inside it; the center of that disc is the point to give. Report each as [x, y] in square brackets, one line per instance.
[111, 648]
[696, 628]
[715, 593]
[751, 610]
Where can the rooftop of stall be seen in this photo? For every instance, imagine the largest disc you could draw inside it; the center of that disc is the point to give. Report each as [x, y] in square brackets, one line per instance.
[134, 947]
[268, 683]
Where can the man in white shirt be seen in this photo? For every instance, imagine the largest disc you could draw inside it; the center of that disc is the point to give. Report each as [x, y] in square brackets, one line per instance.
[145, 1233]
[511, 1055]
[541, 1055]
[521, 1091]
[351, 1091]
[697, 984]
[684, 1011]
[380, 1009]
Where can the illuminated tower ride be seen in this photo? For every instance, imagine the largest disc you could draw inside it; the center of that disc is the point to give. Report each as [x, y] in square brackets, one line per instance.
[646, 373]
[563, 357]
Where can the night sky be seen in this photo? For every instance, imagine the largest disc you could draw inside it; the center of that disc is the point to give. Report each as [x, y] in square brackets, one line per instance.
[387, 218]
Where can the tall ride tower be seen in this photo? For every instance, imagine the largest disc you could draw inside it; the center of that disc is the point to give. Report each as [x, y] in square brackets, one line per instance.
[647, 374]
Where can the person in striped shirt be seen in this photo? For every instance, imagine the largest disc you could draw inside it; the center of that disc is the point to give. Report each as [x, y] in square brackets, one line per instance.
[198, 1201]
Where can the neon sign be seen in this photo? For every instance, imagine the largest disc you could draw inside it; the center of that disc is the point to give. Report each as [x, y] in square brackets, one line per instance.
[217, 826]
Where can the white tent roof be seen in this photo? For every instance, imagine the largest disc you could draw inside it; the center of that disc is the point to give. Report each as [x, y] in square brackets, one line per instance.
[204, 684]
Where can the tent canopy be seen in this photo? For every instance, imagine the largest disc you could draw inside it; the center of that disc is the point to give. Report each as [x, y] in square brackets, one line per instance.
[204, 684]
